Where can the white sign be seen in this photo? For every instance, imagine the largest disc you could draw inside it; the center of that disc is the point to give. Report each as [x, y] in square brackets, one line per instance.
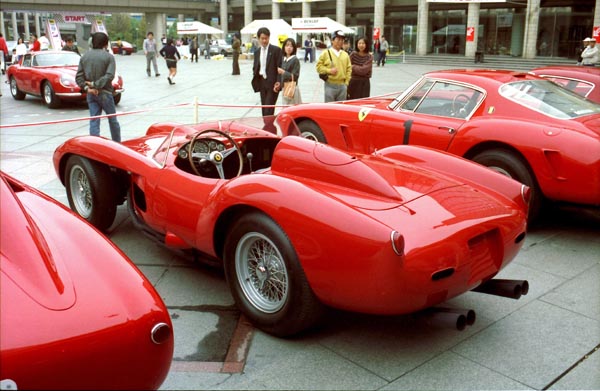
[53, 34]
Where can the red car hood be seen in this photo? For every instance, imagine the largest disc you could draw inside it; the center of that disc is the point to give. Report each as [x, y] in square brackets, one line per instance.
[27, 258]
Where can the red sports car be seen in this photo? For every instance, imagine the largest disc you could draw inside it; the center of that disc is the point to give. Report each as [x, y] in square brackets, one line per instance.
[126, 48]
[51, 75]
[300, 224]
[72, 318]
[518, 124]
[584, 81]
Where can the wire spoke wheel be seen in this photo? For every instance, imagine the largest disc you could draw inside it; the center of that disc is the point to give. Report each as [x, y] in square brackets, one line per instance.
[261, 272]
[81, 191]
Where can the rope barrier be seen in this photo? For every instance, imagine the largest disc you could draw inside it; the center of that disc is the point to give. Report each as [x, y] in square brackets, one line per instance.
[195, 104]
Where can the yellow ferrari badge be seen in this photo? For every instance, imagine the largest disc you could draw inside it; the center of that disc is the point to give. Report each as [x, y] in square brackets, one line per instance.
[362, 114]
[491, 110]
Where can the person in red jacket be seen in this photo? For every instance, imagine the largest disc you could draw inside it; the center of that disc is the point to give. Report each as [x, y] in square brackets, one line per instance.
[35, 44]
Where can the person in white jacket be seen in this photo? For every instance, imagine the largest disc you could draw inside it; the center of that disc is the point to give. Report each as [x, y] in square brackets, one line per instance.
[590, 55]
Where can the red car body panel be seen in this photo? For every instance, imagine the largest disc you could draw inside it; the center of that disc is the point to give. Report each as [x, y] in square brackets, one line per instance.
[564, 155]
[338, 211]
[73, 318]
[31, 78]
[582, 80]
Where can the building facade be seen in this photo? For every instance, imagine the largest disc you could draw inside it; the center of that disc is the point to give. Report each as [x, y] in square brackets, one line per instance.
[521, 28]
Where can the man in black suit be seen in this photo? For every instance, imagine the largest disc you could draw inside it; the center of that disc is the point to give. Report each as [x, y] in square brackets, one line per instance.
[267, 58]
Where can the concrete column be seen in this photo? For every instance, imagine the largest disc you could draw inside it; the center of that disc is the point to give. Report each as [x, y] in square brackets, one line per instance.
[2, 29]
[472, 21]
[306, 9]
[223, 16]
[517, 34]
[26, 23]
[275, 11]
[248, 17]
[181, 17]
[156, 23]
[340, 11]
[378, 15]
[15, 26]
[532, 19]
[37, 24]
[423, 35]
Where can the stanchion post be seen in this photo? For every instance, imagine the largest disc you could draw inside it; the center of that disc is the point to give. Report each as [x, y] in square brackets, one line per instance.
[195, 109]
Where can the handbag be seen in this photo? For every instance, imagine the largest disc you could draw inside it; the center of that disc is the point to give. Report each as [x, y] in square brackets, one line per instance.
[325, 76]
[289, 88]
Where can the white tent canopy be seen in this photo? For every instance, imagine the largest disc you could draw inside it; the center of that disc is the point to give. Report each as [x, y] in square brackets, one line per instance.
[318, 25]
[196, 27]
[276, 27]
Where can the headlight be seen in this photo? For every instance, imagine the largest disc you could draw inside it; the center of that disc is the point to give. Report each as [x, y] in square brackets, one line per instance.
[67, 81]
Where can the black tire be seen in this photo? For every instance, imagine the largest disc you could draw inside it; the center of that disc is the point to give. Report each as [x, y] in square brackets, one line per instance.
[117, 99]
[14, 90]
[295, 307]
[91, 191]
[49, 96]
[514, 166]
[311, 131]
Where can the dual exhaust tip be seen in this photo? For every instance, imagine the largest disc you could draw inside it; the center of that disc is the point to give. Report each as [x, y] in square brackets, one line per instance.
[461, 318]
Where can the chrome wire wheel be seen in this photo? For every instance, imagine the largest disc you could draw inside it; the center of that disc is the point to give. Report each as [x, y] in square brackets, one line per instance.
[310, 136]
[48, 93]
[81, 191]
[13, 87]
[261, 272]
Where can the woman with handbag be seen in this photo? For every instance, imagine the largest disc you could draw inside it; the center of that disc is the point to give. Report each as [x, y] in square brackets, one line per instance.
[289, 73]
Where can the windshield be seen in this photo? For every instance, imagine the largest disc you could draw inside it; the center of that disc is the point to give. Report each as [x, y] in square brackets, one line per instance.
[56, 59]
[548, 98]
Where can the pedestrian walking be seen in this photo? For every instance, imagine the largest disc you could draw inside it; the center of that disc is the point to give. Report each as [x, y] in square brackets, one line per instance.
[194, 49]
[308, 46]
[236, 47]
[290, 71]
[150, 51]
[207, 49]
[94, 76]
[171, 55]
[362, 69]
[335, 64]
[383, 48]
[267, 58]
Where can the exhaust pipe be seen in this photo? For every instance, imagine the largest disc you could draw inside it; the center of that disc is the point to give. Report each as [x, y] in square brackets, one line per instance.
[513, 289]
[452, 317]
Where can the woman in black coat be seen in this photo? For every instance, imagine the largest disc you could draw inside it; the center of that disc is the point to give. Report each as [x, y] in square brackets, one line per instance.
[290, 70]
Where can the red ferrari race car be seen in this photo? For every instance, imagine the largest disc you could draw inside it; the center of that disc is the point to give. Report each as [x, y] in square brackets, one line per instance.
[518, 124]
[584, 81]
[51, 75]
[300, 225]
[72, 318]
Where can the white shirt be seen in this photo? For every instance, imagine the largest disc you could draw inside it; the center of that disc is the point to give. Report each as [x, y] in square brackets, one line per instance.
[44, 43]
[21, 49]
[590, 55]
[263, 61]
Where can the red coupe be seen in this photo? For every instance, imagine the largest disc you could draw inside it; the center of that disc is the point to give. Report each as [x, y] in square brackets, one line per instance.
[51, 75]
[72, 318]
[299, 224]
[584, 81]
[518, 124]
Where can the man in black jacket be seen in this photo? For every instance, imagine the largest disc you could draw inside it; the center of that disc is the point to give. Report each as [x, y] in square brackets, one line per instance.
[267, 58]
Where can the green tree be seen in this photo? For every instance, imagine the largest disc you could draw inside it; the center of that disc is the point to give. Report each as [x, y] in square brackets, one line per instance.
[119, 26]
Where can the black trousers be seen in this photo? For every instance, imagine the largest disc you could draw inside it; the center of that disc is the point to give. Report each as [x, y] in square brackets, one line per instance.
[267, 97]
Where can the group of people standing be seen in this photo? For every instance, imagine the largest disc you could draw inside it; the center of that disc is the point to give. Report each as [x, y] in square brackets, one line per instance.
[590, 55]
[346, 76]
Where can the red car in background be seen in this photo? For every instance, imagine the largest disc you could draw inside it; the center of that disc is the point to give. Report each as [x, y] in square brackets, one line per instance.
[126, 48]
[51, 76]
[299, 225]
[518, 124]
[71, 318]
[582, 80]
